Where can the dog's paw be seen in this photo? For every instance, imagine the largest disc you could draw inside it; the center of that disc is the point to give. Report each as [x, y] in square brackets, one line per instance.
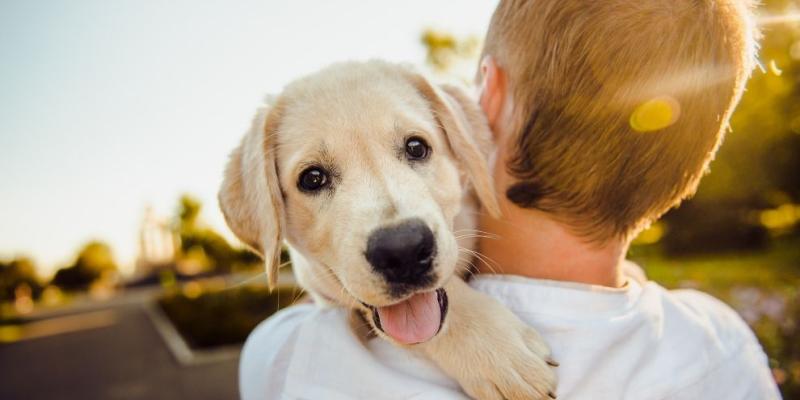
[490, 352]
[516, 365]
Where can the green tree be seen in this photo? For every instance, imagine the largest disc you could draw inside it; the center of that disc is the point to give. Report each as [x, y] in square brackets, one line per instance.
[451, 56]
[15, 274]
[198, 238]
[188, 213]
[93, 261]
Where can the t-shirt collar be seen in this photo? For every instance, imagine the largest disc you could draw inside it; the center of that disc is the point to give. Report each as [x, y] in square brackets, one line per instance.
[558, 298]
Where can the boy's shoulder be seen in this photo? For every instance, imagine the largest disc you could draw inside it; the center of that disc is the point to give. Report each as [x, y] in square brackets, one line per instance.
[705, 313]
[678, 344]
[702, 333]
[716, 317]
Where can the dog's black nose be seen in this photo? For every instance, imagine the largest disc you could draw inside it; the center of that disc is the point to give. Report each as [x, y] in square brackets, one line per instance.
[403, 253]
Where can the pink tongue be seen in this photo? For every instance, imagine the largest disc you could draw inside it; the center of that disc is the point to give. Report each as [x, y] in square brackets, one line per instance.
[415, 320]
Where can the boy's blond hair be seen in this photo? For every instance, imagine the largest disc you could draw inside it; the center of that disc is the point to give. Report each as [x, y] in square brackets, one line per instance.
[619, 105]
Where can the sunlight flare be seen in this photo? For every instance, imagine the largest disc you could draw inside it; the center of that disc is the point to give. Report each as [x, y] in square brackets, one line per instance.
[655, 114]
[774, 19]
[773, 67]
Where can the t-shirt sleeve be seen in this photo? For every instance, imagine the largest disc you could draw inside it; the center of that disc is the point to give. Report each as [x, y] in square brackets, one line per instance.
[744, 373]
[267, 353]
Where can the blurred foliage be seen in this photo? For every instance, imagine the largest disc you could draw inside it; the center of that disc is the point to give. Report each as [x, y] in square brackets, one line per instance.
[94, 261]
[753, 187]
[698, 227]
[201, 244]
[759, 161]
[449, 55]
[16, 274]
[216, 317]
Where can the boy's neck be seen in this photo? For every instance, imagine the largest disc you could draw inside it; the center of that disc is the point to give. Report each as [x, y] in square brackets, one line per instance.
[528, 243]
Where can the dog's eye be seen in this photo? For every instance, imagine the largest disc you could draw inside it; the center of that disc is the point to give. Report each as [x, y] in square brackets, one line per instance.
[416, 148]
[312, 179]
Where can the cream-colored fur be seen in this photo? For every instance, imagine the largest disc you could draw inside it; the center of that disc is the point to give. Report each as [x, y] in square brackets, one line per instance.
[353, 119]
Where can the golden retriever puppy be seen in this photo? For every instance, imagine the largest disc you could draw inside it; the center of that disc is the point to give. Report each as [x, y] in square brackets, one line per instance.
[372, 176]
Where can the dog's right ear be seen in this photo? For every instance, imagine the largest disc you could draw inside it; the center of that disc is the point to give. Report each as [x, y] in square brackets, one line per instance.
[250, 197]
[463, 124]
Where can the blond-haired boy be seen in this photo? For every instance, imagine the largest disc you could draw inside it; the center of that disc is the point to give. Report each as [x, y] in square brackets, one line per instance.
[606, 114]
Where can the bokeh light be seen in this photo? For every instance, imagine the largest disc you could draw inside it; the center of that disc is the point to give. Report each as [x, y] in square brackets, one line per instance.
[773, 67]
[655, 114]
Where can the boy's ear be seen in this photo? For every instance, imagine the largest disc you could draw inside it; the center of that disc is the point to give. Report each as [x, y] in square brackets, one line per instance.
[250, 196]
[492, 91]
[467, 134]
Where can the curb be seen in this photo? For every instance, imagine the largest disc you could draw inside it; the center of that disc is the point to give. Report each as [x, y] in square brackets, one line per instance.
[181, 350]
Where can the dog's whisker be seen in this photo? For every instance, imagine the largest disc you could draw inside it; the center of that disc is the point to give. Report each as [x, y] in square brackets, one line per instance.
[470, 230]
[473, 233]
[298, 295]
[466, 258]
[246, 281]
[466, 267]
[251, 279]
[477, 232]
[459, 233]
[487, 262]
[477, 236]
[493, 266]
[490, 264]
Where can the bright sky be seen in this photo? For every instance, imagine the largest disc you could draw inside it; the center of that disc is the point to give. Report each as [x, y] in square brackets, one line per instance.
[108, 106]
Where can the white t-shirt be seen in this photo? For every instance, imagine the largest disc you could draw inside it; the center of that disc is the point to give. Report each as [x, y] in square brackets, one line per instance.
[639, 342]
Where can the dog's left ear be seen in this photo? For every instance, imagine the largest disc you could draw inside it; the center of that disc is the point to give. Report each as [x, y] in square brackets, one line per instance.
[467, 133]
[250, 196]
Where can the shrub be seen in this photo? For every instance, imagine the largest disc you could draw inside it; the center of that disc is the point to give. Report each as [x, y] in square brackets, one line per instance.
[222, 317]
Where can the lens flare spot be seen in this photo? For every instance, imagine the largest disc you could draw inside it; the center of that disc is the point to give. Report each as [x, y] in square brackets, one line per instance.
[655, 114]
[773, 67]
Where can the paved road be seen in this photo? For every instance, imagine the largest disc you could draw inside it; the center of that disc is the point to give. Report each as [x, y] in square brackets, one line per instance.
[121, 357]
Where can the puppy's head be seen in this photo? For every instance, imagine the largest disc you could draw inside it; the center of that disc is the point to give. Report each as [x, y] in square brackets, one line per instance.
[362, 168]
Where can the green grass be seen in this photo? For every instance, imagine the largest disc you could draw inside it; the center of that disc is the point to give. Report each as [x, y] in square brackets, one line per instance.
[776, 269]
